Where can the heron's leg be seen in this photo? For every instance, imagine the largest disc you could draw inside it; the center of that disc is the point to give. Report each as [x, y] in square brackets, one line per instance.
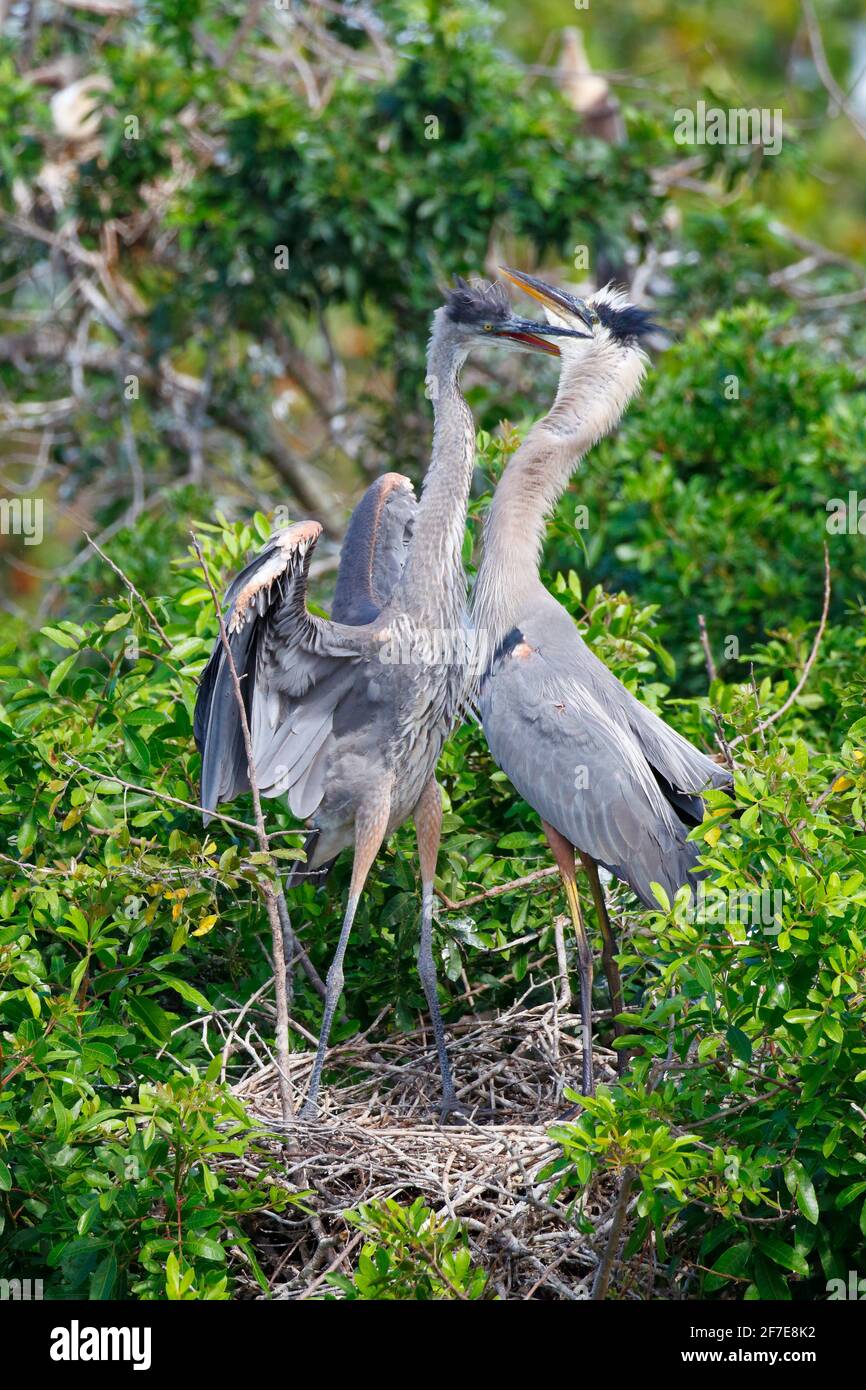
[371, 823]
[563, 853]
[608, 953]
[428, 825]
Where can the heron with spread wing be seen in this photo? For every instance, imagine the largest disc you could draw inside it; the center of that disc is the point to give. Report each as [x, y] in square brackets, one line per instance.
[608, 778]
[346, 732]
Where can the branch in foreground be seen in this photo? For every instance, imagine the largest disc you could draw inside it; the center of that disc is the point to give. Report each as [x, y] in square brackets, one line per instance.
[500, 888]
[154, 621]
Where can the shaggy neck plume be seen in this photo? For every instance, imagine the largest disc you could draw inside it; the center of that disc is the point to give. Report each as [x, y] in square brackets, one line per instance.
[589, 404]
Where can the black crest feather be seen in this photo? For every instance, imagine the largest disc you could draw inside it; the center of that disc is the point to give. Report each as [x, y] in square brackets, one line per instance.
[478, 303]
[626, 323]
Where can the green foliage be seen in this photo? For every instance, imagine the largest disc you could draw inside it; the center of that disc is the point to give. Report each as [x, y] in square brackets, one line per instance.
[104, 956]
[743, 1112]
[126, 930]
[411, 1254]
[715, 503]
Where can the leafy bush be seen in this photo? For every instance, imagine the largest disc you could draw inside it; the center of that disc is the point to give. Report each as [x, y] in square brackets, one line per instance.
[130, 937]
[411, 1254]
[742, 1117]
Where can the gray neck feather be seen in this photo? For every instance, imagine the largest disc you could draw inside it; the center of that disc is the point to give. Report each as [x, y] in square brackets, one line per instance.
[589, 403]
[433, 585]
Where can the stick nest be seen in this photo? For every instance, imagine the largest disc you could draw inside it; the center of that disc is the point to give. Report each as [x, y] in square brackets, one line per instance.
[379, 1136]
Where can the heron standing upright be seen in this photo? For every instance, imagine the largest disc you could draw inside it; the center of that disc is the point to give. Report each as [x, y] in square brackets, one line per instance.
[348, 734]
[608, 778]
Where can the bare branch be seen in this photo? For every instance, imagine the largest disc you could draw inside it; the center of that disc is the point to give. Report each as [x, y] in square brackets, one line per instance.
[810, 661]
[708, 651]
[499, 889]
[822, 67]
[154, 621]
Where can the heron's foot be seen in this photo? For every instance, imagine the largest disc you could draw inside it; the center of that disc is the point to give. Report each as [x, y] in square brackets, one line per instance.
[452, 1109]
[309, 1110]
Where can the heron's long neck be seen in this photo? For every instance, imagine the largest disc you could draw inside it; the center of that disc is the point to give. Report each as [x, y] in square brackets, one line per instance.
[433, 585]
[586, 409]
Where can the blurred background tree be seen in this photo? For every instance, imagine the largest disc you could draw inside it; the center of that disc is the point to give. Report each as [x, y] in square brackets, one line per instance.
[226, 226]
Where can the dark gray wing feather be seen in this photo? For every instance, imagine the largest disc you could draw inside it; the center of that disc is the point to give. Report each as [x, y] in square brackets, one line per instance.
[374, 550]
[371, 562]
[293, 669]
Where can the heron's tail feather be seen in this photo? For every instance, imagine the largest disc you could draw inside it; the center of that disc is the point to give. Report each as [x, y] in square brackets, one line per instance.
[303, 872]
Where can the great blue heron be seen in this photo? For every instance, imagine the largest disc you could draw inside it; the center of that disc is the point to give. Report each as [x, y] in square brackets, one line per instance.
[349, 734]
[608, 778]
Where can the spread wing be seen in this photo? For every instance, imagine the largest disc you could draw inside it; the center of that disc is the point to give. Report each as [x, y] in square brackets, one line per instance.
[582, 771]
[374, 551]
[294, 669]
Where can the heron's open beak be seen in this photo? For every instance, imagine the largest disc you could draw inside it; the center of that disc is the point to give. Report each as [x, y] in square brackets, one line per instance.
[555, 299]
[534, 336]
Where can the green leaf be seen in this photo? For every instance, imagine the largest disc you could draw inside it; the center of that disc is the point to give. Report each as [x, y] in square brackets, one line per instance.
[26, 834]
[799, 1184]
[153, 1019]
[118, 620]
[770, 1283]
[207, 1249]
[185, 990]
[63, 639]
[740, 1044]
[104, 1278]
[136, 749]
[59, 672]
[661, 896]
[732, 1261]
[784, 1255]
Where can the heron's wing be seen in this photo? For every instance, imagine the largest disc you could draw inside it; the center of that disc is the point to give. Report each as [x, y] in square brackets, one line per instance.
[374, 550]
[293, 668]
[581, 771]
[682, 770]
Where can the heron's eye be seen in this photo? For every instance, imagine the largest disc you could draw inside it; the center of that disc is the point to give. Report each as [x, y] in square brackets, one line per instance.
[593, 315]
[488, 327]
